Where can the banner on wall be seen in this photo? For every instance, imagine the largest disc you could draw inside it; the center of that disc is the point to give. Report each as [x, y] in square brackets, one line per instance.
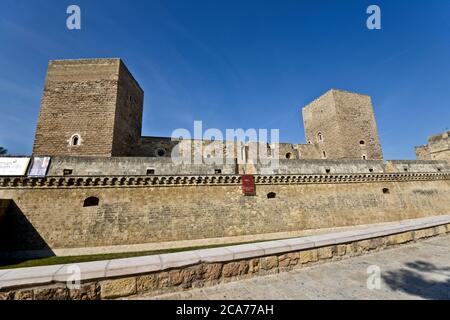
[39, 166]
[14, 166]
[248, 185]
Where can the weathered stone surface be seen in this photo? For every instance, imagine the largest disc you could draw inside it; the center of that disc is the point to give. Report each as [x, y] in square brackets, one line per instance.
[51, 294]
[88, 291]
[233, 269]
[6, 296]
[288, 260]
[118, 288]
[211, 271]
[184, 277]
[441, 230]
[400, 238]
[424, 233]
[370, 244]
[254, 266]
[147, 283]
[269, 263]
[325, 252]
[24, 295]
[308, 256]
[163, 280]
[341, 249]
[351, 249]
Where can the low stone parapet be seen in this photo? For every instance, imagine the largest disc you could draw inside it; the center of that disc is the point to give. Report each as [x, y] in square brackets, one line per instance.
[184, 270]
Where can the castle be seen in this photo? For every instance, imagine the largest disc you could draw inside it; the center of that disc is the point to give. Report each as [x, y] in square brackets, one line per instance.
[438, 148]
[95, 107]
[108, 188]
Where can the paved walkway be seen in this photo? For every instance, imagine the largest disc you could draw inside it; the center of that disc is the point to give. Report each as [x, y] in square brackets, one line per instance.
[417, 271]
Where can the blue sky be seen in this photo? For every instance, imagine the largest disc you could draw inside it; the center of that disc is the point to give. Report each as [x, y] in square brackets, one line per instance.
[239, 64]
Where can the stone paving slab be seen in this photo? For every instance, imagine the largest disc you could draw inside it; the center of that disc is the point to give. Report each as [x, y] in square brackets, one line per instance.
[416, 271]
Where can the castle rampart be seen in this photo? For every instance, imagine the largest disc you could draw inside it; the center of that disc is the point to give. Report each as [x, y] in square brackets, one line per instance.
[438, 148]
[51, 213]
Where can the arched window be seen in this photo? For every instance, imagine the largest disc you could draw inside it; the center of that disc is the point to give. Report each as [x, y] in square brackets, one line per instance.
[362, 142]
[91, 202]
[324, 154]
[75, 140]
[288, 155]
[320, 137]
[364, 157]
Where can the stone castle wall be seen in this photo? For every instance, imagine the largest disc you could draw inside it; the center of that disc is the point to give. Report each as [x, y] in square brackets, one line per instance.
[438, 148]
[129, 166]
[138, 211]
[140, 166]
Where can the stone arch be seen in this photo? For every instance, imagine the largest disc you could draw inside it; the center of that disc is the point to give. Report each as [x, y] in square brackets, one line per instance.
[75, 140]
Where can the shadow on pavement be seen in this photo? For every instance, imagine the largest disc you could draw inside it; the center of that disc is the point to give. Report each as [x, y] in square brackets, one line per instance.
[417, 279]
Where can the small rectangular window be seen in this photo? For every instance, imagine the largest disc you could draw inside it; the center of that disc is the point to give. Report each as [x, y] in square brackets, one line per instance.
[67, 172]
[150, 172]
[218, 171]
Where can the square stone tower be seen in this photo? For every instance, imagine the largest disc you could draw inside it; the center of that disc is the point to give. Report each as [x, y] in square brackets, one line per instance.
[438, 148]
[342, 126]
[90, 107]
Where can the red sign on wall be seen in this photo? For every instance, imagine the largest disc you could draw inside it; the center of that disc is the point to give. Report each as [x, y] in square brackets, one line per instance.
[248, 185]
